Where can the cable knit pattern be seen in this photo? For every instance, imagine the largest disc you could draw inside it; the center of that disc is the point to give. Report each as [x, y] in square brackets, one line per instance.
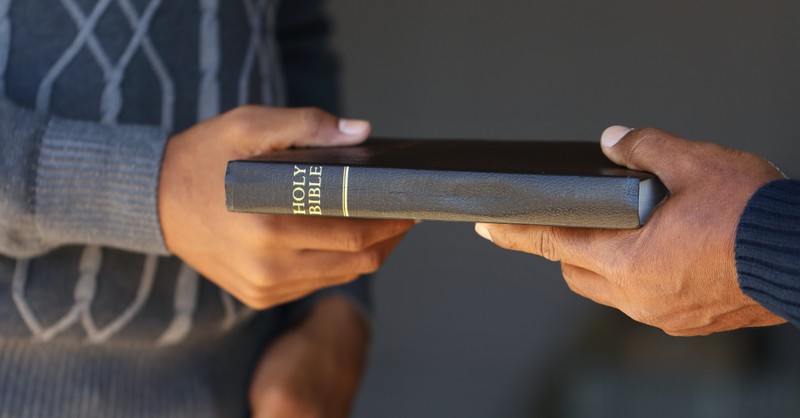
[5, 42]
[208, 103]
[768, 248]
[95, 319]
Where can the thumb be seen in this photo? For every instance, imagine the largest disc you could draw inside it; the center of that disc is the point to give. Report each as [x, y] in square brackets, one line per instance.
[652, 150]
[317, 128]
[270, 129]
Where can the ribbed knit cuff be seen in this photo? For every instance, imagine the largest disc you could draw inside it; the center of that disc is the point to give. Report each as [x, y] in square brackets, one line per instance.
[768, 249]
[98, 184]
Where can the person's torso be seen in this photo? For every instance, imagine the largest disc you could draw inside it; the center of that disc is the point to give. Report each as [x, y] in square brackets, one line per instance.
[167, 63]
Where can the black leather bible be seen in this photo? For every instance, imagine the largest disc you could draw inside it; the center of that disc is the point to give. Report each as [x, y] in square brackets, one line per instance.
[525, 182]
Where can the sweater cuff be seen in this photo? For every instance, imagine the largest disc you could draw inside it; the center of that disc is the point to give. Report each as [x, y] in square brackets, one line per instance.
[768, 249]
[98, 184]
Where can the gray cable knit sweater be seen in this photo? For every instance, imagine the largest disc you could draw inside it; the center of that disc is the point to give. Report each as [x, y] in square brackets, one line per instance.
[96, 320]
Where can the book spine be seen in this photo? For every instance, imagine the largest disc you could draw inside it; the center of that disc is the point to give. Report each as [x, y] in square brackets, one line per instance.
[296, 189]
[368, 192]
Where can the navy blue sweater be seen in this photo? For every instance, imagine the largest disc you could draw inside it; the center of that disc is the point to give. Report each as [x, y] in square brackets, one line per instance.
[768, 249]
[96, 319]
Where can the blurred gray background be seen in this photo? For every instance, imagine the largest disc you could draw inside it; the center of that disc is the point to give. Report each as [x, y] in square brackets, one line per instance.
[463, 329]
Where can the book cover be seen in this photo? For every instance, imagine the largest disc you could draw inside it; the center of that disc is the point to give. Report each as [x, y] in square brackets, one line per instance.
[525, 182]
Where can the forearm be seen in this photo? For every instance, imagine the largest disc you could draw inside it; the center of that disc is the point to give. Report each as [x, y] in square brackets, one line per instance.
[338, 323]
[72, 182]
[313, 369]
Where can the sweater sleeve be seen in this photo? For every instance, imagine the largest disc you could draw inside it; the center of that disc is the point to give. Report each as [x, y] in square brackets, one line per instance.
[311, 74]
[768, 249]
[73, 182]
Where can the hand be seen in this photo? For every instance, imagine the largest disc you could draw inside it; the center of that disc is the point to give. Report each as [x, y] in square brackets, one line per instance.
[313, 371]
[263, 260]
[677, 272]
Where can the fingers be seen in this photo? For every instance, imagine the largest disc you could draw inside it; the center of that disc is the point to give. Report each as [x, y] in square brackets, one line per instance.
[262, 292]
[331, 234]
[573, 247]
[293, 274]
[589, 284]
[279, 128]
[320, 265]
[317, 128]
[666, 155]
[586, 248]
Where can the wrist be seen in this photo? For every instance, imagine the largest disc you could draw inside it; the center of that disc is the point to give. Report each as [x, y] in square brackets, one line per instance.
[335, 320]
[314, 367]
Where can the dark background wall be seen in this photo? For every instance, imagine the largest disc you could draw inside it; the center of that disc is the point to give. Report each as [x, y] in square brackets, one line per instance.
[463, 329]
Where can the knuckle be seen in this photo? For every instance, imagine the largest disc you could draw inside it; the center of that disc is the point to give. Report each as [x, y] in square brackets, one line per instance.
[571, 283]
[261, 292]
[257, 303]
[574, 284]
[643, 316]
[547, 244]
[355, 241]
[372, 261]
[242, 120]
[650, 134]
[245, 112]
[676, 332]
[544, 243]
[265, 273]
[252, 296]
[568, 272]
[637, 316]
[572, 287]
[344, 279]
[652, 137]
[311, 119]
[393, 228]
[503, 236]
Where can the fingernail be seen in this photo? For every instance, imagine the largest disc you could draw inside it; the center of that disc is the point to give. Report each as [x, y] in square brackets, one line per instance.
[483, 231]
[613, 134]
[354, 126]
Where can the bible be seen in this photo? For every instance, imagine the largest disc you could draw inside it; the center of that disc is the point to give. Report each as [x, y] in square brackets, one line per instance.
[526, 182]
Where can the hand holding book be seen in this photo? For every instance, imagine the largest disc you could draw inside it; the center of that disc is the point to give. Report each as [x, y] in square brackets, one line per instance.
[678, 271]
[263, 260]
